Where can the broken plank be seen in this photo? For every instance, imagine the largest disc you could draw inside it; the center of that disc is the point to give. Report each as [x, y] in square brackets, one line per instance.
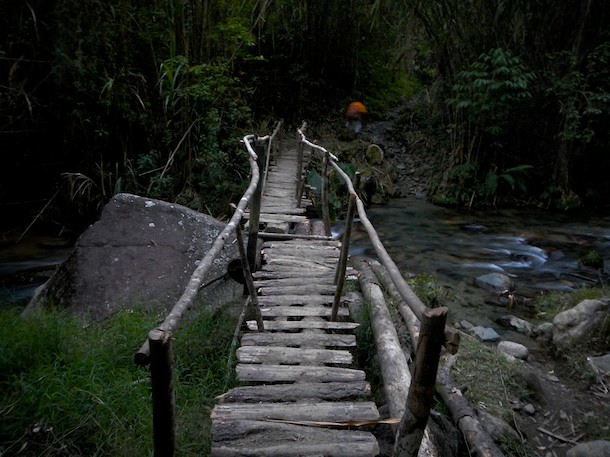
[287, 355]
[297, 392]
[298, 339]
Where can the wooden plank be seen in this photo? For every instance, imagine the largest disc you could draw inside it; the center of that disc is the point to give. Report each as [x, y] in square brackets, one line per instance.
[292, 262]
[333, 391]
[299, 325]
[295, 300]
[327, 255]
[294, 373]
[305, 246]
[298, 339]
[293, 281]
[241, 438]
[275, 273]
[327, 411]
[286, 355]
[305, 289]
[301, 311]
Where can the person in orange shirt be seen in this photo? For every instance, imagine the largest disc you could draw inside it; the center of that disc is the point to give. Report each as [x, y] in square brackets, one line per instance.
[353, 116]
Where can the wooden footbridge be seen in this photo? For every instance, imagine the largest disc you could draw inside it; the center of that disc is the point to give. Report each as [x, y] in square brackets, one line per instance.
[301, 393]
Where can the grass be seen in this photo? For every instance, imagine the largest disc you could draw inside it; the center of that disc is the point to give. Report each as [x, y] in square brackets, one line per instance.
[68, 390]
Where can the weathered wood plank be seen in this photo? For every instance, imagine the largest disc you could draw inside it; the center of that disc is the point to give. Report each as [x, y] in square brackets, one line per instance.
[326, 254]
[295, 300]
[271, 439]
[292, 281]
[327, 411]
[268, 272]
[293, 373]
[299, 325]
[301, 311]
[301, 263]
[297, 392]
[286, 355]
[305, 289]
[298, 339]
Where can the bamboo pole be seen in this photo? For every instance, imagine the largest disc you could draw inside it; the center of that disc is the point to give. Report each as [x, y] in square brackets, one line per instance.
[340, 272]
[163, 396]
[255, 213]
[421, 392]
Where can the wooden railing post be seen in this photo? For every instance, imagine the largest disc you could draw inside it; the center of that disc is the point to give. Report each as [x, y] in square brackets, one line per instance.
[299, 177]
[255, 213]
[421, 392]
[324, 191]
[248, 278]
[163, 397]
[341, 267]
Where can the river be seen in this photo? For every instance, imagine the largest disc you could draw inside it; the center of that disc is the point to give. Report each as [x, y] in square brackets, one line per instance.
[539, 250]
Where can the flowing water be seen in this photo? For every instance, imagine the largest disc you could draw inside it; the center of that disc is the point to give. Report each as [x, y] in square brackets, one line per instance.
[538, 250]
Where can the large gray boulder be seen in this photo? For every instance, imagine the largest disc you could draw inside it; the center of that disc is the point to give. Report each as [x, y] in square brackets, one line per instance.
[141, 252]
[579, 323]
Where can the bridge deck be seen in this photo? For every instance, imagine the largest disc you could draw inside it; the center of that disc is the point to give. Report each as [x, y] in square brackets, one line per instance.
[300, 371]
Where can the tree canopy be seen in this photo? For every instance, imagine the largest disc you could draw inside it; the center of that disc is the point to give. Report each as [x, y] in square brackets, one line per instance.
[152, 97]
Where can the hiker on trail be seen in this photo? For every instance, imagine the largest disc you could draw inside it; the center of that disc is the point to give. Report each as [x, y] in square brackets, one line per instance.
[353, 116]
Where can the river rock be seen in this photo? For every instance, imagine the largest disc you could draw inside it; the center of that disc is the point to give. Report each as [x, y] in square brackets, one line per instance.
[485, 334]
[599, 448]
[544, 331]
[581, 322]
[497, 282]
[515, 323]
[515, 349]
[141, 252]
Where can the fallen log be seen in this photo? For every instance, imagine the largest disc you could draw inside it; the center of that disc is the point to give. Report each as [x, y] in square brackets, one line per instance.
[392, 360]
[479, 441]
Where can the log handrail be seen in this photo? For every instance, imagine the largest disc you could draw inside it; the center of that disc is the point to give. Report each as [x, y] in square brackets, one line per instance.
[452, 337]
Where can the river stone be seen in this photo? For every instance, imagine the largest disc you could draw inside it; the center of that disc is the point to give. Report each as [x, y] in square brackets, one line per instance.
[495, 282]
[515, 323]
[581, 322]
[515, 349]
[599, 448]
[544, 331]
[141, 252]
[485, 334]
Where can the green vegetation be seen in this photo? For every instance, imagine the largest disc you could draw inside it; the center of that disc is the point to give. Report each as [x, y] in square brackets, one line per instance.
[512, 99]
[74, 390]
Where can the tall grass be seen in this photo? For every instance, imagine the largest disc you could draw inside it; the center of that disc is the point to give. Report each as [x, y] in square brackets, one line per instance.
[67, 390]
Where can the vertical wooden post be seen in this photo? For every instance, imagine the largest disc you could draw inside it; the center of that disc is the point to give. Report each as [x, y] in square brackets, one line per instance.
[325, 189]
[163, 396]
[341, 267]
[255, 213]
[419, 400]
[248, 278]
[299, 176]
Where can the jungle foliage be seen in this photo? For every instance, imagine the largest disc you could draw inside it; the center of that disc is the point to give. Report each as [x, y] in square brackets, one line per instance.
[98, 97]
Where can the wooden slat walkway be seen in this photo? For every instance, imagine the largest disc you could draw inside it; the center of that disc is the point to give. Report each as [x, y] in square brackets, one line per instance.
[300, 369]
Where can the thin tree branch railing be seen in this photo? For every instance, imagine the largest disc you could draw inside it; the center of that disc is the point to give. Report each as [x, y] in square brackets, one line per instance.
[172, 320]
[452, 338]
